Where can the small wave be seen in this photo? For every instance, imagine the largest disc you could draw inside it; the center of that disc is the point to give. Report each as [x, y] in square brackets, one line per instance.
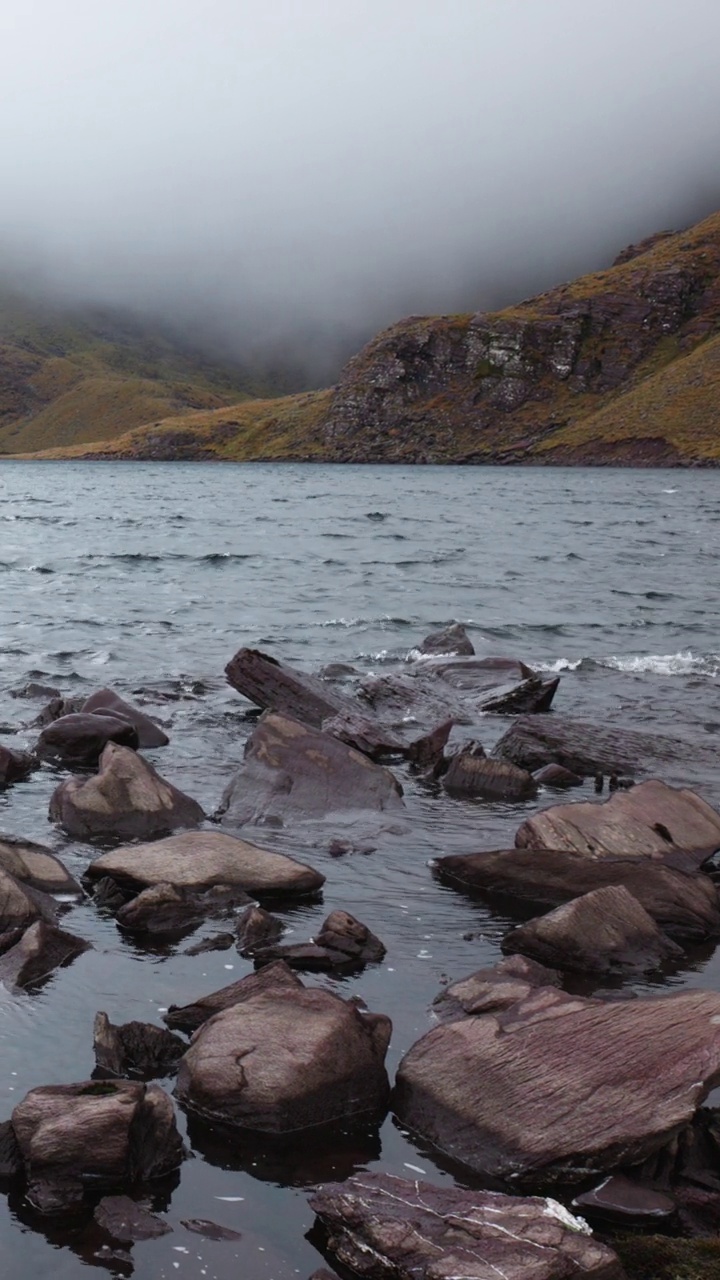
[684, 663]
[560, 664]
[343, 622]
[669, 490]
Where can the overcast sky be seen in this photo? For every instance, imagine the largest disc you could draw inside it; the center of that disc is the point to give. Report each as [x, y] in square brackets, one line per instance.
[323, 167]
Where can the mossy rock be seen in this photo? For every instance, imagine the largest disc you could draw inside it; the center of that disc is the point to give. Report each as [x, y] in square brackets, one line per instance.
[665, 1258]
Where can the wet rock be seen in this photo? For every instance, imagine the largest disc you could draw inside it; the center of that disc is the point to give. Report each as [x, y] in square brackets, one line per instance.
[37, 954]
[108, 896]
[106, 700]
[35, 865]
[126, 1220]
[56, 708]
[35, 690]
[81, 739]
[404, 701]
[10, 1158]
[324, 1274]
[365, 735]
[21, 906]
[210, 1230]
[652, 818]
[189, 1017]
[594, 1084]
[291, 771]
[585, 748]
[342, 943]
[257, 929]
[554, 775]
[618, 1199]
[127, 799]
[338, 671]
[480, 675]
[683, 902]
[273, 687]
[427, 752]
[452, 639]
[490, 990]
[391, 1227]
[471, 775]
[605, 931]
[217, 942]
[135, 1049]
[165, 909]
[114, 1134]
[199, 860]
[531, 697]
[286, 1059]
[15, 766]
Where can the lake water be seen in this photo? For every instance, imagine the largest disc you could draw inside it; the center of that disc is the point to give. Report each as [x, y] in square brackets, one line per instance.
[148, 577]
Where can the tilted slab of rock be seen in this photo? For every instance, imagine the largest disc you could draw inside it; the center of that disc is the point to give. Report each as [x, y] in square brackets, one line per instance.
[36, 866]
[480, 674]
[681, 900]
[81, 739]
[287, 1059]
[36, 955]
[585, 748]
[189, 1017]
[256, 929]
[470, 775]
[556, 1087]
[605, 931]
[149, 734]
[200, 859]
[127, 799]
[393, 1229]
[532, 697]
[276, 687]
[490, 990]
[135, 1049]
[113, 1133]
[365, 734]
[651, 818]
[292, 771]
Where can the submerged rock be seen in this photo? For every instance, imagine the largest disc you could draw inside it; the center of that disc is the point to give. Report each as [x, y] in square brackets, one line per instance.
[41, 949]
[126, 799]
[291, 771]
[275, 687]
[618, 1199]
[36, 866]
[285, 1059]
[452, 639]
[257, 929]
[106, 700]
[594, 1084]
[605, 931]
[128, 1221]
[555, 775]
[471, 775]
[136, 1049]
[165, 909]
[342, 943]
[393, 1229]
[81, 739]
[651, 818]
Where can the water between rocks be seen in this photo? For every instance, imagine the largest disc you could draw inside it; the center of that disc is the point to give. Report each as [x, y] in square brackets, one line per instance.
[150, 576]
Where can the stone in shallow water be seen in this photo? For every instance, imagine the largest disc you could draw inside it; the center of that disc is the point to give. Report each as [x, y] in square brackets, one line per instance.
[128, 1221]
[342, 943]
[15, 766]
[490, 990]
[210, 1230]
[470, 775]
[191, 1016]
[80, 739]
[135, 1049]
[395, 1229]
[35, 865]
[620, 1200]
[20, 905]
[164, 909]
[37, 954]
[452, 639]
[149, 734]
[280, 688]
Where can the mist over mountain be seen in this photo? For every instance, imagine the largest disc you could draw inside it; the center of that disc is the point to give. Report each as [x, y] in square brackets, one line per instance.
[280, 180]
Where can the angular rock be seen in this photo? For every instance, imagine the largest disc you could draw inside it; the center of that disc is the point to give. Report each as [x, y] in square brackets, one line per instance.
[81, 739]
[427, 752]
[291, 771]
[40, 951]
[15, 766]
[452, 639]
[135, 1049]
[618, 1199]
[490, 990]
[10, 1158]
[554, 775]
[651, 818]
[128, 1221]
[396, 1229]
[199, 860]
[683, 902]
[605, 931]
[217, 942]
[56, 708]
[595, 1085]
[287, 1059]
[21, 906]
[274, 687]
[189, 1017]
[164, 909]
[585, 748]
[342, 943]
[210, 1230]
[106, 700]
[470, 775]
[480, 675]
[113, 1133]
[35, 865]
[532, 697]
[257, 929]
[127, 799]
[404, 701]
[365, 735]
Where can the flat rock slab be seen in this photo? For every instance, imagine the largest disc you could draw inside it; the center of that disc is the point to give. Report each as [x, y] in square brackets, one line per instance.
[41, 950]
[605, 931]
[210, 1230]
[393, 1228]
[128, 1221]
[126, 799]
[556, 1087]
[276, 687]
[586, 748]
[682, 901]
[287, 1059]
[292, 772]
[35, 865]
[651, 818]
[106, 700]
[490, 990]
[618, 1199]
[200, 859]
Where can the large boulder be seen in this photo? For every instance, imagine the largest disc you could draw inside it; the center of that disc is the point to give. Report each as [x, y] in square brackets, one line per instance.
[81, 739]
[605, 931]
[39, 952]
[126, 799]
[650, 818]
[274, 687]
[36, 866]
[105, 701]
[293, 772]
[585, 748]
[198, 860]
[112, 1134]
[287, 1059]
[453, 639]
[554, 1087]
[395, 1229]
[682, 901]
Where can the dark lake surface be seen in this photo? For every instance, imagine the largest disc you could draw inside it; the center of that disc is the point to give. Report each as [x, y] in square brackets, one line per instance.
[148, 577]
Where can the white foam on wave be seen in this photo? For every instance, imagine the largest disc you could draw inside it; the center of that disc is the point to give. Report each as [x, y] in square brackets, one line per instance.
[683, 663]
[559, 665]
